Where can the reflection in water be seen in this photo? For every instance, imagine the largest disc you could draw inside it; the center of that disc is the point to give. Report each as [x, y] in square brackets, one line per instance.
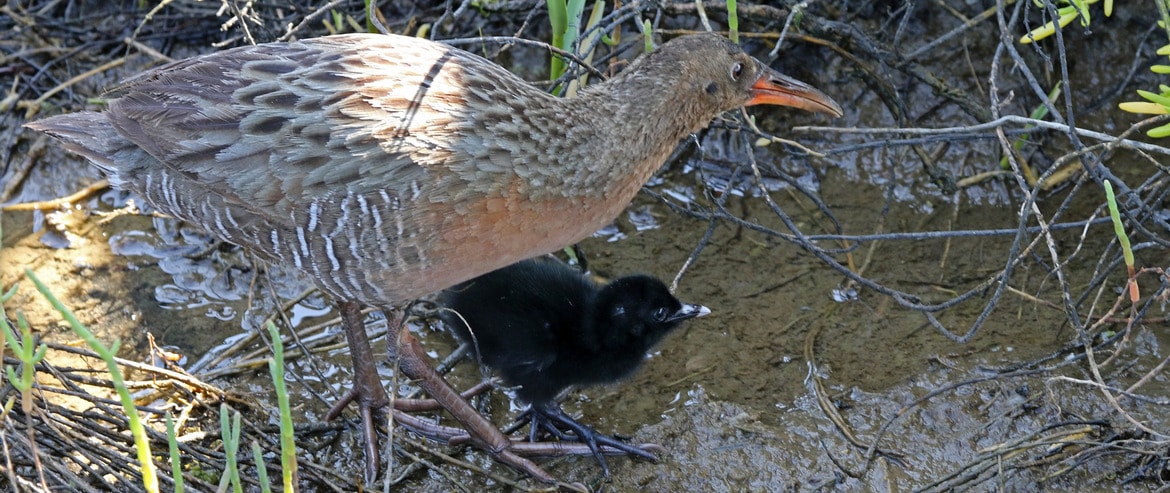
[642, 218]
[211, 276]
[723, 163]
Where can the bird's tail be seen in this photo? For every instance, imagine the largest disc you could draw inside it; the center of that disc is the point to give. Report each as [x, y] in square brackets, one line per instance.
[88, 134]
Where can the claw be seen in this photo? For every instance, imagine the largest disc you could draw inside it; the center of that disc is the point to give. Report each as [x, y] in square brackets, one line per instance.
[551, 418]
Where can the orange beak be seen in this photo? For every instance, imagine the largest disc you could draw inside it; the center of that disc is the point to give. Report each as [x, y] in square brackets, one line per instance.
[775, 88]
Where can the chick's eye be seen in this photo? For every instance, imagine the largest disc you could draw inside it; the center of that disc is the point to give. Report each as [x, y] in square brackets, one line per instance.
[661, 314]
[736, 70]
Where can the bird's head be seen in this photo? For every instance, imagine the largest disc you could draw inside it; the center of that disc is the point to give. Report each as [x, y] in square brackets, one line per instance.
[637, 311]
[716, 75]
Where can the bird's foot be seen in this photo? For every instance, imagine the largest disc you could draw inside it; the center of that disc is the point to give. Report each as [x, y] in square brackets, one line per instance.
[413, 363]
[372, 412]
[553, 420]
[368, 393]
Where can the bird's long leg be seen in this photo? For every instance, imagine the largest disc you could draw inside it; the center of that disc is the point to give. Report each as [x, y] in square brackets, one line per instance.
[413, 363]
[373, 401]
[367, 390]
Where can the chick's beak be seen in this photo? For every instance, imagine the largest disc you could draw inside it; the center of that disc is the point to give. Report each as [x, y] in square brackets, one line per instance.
[689, 311]
[775, 88]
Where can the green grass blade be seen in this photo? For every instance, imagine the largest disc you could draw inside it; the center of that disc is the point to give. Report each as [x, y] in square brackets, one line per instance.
[137, 430]
[288, 446]
[176, 461]
[1118, 227]
[261, 470]
[732, 21]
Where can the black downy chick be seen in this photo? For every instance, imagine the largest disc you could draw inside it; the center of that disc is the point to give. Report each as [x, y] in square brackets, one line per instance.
[543, 326]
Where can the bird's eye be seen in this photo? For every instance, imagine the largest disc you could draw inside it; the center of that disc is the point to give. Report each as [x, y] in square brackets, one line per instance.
[736, 70]
[661, 314]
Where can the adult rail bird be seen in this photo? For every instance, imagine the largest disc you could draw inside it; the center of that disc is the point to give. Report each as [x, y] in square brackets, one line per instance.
[388, 167]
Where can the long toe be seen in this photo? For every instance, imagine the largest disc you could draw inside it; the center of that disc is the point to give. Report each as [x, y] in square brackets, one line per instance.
[555, 421]
[372, 412]
[624, 446]
[536, 422]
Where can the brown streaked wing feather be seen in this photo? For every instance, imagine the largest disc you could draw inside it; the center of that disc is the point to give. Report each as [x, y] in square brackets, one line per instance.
[272, 126]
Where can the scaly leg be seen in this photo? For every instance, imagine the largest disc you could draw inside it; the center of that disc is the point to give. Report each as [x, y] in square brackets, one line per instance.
[367, 390]
[373, 401]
